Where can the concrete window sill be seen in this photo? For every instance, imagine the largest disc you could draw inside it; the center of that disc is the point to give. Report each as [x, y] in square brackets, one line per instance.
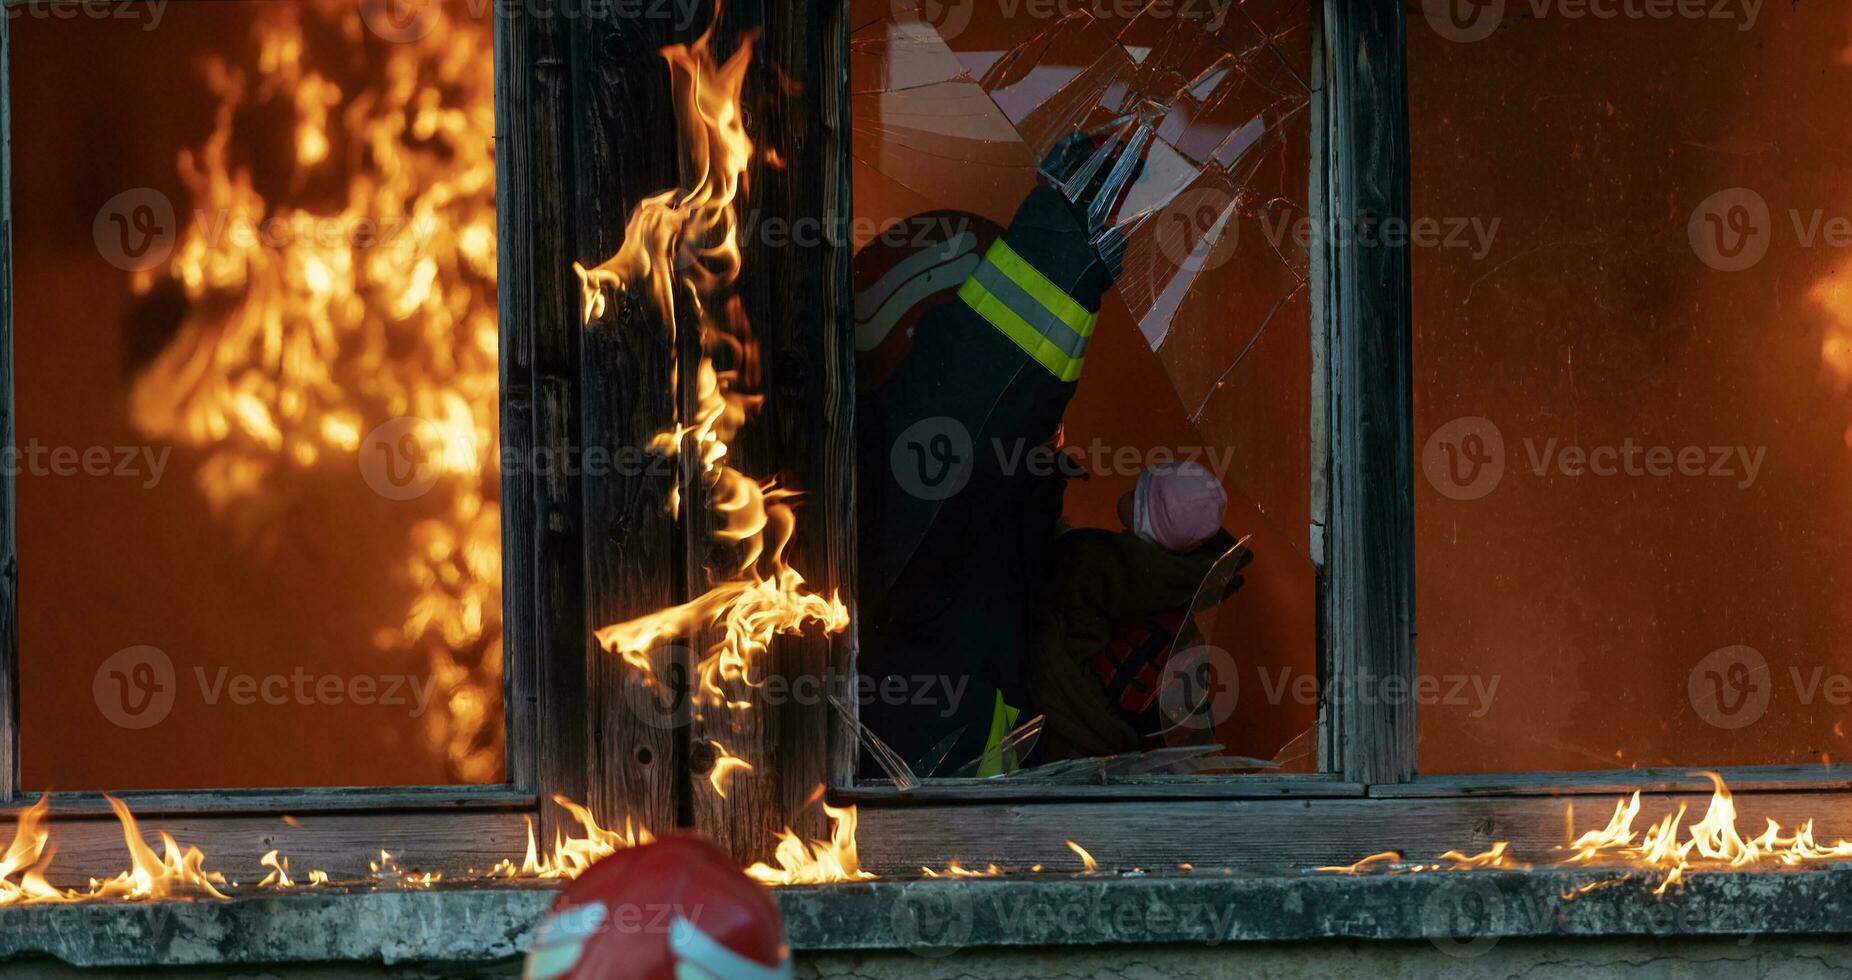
[486, 924]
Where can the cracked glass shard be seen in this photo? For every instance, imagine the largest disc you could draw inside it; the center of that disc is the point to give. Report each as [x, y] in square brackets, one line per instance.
[1204, 347]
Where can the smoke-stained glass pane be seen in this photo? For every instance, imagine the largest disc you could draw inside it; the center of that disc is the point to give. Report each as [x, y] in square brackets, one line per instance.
[1631, 397]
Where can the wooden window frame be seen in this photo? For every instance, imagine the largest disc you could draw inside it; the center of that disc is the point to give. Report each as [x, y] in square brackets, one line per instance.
[578, 145]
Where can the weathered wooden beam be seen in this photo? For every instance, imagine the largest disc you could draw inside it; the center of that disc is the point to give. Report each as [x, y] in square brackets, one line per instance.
[1147, 789]
[340, 844]
[620, 134]
[549, 712]
[9, 541]
[796, 290]
[1367, 596]
[1273, 835]
[298, 802]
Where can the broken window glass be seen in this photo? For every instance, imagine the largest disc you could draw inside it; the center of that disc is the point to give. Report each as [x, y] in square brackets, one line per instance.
[1631, 388]
[1176, 140]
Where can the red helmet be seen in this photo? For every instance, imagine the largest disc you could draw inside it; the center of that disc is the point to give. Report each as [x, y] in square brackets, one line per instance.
[677, 909]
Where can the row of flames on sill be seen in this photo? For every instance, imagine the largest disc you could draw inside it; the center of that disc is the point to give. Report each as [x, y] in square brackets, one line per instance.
[180, 872]
[1666, 849]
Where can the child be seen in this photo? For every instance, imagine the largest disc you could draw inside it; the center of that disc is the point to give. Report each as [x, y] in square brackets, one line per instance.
[1117, 602]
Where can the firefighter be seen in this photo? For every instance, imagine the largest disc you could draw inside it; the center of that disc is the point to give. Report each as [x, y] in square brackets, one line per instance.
[1118, 603]
[955, 525]
[676, 909]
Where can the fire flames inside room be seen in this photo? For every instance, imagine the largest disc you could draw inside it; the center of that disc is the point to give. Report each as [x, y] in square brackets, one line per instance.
[277, 339]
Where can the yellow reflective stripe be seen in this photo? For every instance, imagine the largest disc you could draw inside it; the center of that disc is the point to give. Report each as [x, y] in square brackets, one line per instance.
[1046, 352]
[1037, 285]
[1002, 722]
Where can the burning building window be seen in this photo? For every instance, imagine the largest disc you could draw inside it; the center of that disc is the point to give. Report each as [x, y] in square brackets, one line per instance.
[257, 389]
[1082, 276]
[1631, 326]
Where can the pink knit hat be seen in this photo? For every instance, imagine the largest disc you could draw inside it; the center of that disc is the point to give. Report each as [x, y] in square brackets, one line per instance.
[1177, 506]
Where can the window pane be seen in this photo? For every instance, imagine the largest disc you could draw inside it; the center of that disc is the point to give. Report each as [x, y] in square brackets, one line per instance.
[1631, 396]
[257, 396]
[966, 117]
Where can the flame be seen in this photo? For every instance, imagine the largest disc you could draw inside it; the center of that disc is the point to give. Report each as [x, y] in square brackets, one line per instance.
[1368, 863]
[572, 855]
[170, 876]
[387, 871]
[363, 295]
[723, 767]
[1085, 858]
[1712, 843]
[682, 248]
[819, 862]
[1493, 857]
[27, 858]
[279, 871]
[955, 870]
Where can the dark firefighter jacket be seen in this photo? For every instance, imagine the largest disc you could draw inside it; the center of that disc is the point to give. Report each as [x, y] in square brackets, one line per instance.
[954, 527]
[1104, 579]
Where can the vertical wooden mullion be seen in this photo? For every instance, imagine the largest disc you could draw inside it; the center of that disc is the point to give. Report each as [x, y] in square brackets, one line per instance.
[796, 289]
[543, 550]
[1367, 603]
[621, 128]
[9, 554]
[839, 510]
